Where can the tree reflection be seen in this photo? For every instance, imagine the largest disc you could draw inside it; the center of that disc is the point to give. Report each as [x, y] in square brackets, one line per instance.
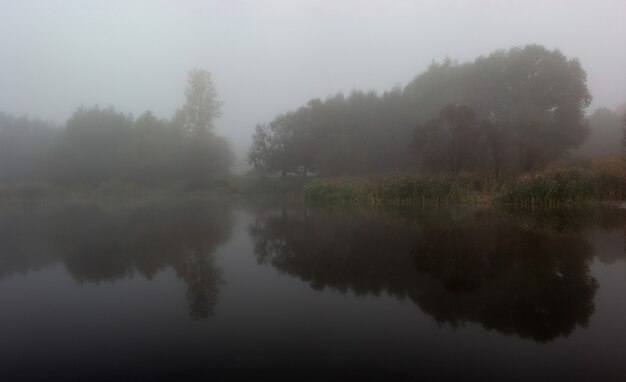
[98, 244]
[479, 266]
[508, 278]
[203, 280]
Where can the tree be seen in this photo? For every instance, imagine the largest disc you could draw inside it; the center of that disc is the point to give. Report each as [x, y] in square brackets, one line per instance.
[203, 155]
[289, 144]
[532, 99]
[359, 134]
[202, 106]
[529, 105]
[151, 154]
[24, 148]
[605, 135]
[90, 150]
[451, 142]
[274, 147]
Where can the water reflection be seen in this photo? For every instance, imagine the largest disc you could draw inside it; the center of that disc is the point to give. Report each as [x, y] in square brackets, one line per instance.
[526, 273]
[106, 243]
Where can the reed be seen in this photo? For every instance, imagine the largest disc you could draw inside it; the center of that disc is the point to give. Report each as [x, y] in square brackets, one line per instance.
[598, 180]
[396, 189]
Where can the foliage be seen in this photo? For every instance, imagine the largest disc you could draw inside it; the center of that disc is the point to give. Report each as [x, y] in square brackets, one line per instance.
[99, 146]
[506, 113]
[562, 183]
[359, 134]
[451, 142]
[546, 188]
[530, 102]
[341, 190]
[611, 177]
[24, 148]
[202, 106]
[565, 184]
[90, 148]
[151, 154]
[260, 184]
[605, 136]
[397, 189]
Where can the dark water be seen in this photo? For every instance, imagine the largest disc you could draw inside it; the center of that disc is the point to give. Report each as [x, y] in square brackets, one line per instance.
[205, 290]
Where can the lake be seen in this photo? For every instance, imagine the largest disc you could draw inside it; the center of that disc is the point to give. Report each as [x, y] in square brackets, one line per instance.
[186, 289]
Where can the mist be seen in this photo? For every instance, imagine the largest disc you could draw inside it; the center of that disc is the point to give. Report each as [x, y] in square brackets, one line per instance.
[312, 190]
[269, 57]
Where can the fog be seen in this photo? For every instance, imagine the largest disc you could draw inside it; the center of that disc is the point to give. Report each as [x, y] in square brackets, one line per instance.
[312, 189]
[268, 57]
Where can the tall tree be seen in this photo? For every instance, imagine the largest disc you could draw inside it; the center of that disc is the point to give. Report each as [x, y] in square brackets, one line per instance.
[202, 105]
[203, 155]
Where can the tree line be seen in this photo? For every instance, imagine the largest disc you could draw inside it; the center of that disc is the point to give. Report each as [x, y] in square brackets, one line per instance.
[99, 145]
[508, 112]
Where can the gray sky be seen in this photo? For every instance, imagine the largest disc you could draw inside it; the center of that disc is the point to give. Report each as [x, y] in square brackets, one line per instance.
[271, 56]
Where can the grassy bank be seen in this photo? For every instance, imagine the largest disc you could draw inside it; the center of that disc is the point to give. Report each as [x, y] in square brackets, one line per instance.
[27, 192]
[559, 184]
[574, 182]
[400, 189]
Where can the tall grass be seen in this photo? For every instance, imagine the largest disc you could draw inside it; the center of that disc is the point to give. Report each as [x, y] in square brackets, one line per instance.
[560, 184]
[550, 188]
[397, 189]
[598, 180]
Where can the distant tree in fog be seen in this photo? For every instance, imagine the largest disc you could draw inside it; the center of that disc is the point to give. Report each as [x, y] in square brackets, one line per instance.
[100, 145]
[151, 152]
[91, 147]
[605, 135]
[451, 142]
[531, 99]
[358, 134]
[204, 157]
[24, 148]
[528, 102]
[202, 105]
[287, 144]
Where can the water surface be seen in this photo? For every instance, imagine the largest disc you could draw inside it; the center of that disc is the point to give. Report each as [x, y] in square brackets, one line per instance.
[225, 290]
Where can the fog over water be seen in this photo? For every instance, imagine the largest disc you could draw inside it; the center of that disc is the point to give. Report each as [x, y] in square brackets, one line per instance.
[268, 57]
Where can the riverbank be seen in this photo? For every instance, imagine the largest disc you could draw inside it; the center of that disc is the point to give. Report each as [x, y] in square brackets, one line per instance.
[559, 184]
[573, 182]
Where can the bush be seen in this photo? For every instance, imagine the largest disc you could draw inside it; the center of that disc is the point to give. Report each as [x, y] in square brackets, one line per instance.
[398, 189]
[342, 190]
[603, 179]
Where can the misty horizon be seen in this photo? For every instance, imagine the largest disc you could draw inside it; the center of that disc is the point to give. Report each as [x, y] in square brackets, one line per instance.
[312, 190]
[268, 58]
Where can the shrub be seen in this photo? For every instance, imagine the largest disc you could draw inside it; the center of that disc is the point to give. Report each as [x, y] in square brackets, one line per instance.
[397, 189]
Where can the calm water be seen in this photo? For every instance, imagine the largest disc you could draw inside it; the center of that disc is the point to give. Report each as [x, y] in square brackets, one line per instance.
[197, 290]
